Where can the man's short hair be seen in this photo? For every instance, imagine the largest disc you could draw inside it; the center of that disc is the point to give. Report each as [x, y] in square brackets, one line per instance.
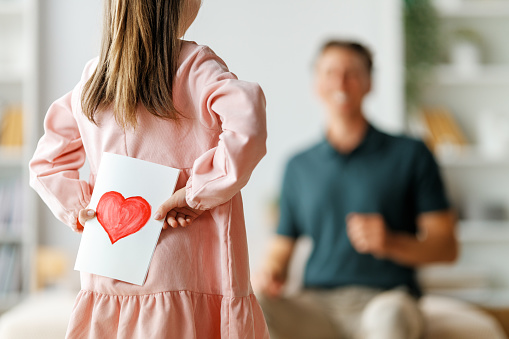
[361, 50]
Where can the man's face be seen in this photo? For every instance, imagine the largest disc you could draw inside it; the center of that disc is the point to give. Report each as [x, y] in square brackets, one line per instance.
[342, 80]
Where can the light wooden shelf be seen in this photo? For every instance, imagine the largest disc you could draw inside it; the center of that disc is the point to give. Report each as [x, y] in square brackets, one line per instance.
[476, 9]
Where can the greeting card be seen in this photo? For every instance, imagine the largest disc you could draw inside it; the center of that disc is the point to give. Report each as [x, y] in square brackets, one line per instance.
[120, 241]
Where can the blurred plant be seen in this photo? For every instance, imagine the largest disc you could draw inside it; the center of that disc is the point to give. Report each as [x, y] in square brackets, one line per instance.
[468, 36]
[422, 48]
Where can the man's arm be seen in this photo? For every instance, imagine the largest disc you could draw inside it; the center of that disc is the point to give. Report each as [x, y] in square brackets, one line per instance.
[435, 242]
[270, 281]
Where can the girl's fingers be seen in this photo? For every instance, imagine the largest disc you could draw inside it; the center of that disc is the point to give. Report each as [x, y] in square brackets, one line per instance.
[164, 209]
[172, 222]
[181, 218]
[85, 215]
[170, 218]
[178, 199]
[189, 212]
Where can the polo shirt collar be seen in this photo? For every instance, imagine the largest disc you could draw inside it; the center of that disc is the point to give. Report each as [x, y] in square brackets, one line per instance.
[371, 143]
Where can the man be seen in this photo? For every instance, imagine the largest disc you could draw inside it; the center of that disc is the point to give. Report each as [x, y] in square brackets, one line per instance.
[374, 206]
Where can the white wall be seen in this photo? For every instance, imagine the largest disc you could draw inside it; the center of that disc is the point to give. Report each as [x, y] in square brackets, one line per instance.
[267, 41]
[274, 43]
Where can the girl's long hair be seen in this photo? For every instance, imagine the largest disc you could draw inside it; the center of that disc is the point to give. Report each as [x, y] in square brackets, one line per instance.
[138, 60]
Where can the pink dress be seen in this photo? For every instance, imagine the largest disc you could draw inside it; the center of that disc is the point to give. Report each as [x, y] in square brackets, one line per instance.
[198, 283]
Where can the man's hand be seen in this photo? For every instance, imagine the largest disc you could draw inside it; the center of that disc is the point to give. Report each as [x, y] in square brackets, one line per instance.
[271, 278]
[176, 211]
[269, 281]
[368, 233]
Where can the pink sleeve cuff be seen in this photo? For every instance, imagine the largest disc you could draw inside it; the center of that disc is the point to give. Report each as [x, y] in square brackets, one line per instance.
[189, 196]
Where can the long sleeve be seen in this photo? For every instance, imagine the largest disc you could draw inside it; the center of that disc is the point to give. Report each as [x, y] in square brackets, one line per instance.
[55, 164]
[239, 109]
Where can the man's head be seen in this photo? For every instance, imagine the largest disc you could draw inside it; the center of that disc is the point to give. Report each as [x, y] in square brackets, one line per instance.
[343, 76]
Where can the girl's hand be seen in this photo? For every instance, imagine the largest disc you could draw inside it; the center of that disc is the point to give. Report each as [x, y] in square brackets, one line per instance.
[83, 216]
[177, 211]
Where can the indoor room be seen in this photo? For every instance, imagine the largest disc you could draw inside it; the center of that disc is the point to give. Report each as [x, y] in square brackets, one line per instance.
[435, 91]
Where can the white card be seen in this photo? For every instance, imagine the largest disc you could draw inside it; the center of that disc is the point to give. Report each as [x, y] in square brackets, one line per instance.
[120, 241]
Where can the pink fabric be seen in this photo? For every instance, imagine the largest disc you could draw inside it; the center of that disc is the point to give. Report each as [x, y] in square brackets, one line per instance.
[198, 282]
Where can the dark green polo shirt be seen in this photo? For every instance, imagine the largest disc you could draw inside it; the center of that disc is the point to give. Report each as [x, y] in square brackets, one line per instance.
[392, 175]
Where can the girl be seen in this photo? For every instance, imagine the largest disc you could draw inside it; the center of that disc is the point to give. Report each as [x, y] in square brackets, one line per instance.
[151, 96]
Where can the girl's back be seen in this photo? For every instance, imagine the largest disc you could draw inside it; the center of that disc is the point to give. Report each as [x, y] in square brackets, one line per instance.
[198, 282]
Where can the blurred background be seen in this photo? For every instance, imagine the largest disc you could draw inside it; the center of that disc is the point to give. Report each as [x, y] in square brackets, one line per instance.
[441, 74]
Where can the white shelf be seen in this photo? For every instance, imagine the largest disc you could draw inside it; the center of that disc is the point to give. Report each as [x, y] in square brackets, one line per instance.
[485, 297]
[8, 235]
[19, 85]
[475, 9]
[471, 157]
[10, 76]
[473, 162]
[10, 239]
[11, 7]
[480, 231]
[481, 274]
[487, 75]
[11, 156]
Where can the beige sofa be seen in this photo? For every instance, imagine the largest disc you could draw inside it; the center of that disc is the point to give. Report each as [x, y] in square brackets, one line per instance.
[447, 318]
[45, 316]
[41, 316]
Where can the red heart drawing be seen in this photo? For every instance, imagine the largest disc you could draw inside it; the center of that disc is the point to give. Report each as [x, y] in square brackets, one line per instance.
[122, 217]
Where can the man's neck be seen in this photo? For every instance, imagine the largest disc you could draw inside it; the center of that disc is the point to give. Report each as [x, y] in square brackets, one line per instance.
[346, 133]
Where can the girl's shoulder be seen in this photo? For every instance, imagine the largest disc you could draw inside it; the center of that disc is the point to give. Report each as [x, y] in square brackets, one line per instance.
[89, 69]
[189, 47]
[189, 50]
[193, 55]
[192, 50]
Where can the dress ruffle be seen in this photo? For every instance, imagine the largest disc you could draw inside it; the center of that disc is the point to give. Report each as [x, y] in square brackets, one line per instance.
[175, 314]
